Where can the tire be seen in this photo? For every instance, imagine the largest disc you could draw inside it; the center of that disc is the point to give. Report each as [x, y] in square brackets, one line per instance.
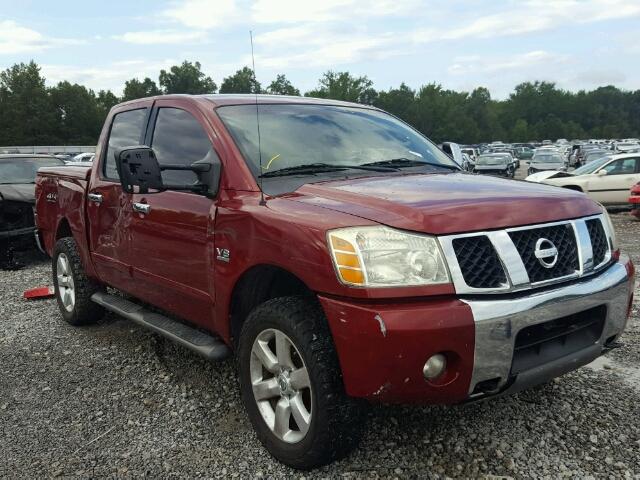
[73, 289]
[334, 420]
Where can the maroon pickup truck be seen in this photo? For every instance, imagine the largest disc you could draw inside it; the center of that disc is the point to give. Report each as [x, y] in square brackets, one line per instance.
[336, 252]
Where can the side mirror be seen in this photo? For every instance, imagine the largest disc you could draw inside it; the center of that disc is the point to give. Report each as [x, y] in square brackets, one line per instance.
[138, 167]
[601, 173]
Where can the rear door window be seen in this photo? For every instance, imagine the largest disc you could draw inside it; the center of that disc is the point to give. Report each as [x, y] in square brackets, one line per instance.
[126, 131]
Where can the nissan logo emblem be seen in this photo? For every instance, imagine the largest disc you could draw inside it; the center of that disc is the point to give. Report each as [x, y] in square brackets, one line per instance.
[546, 253]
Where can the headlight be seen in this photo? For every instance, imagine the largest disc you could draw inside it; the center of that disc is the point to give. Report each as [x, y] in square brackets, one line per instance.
[612, 232]
[384, 257]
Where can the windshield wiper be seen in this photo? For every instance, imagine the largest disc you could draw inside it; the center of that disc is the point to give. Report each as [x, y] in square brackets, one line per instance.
[403, 162]
[313, 168]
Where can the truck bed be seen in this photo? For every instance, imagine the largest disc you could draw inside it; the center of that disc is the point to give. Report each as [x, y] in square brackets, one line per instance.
[60, 203]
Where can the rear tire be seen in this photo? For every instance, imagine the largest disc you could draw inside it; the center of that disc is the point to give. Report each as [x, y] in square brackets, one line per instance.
[73, 289]
[330, 422]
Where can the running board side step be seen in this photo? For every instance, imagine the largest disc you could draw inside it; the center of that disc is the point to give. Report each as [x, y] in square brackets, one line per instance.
[210, 347]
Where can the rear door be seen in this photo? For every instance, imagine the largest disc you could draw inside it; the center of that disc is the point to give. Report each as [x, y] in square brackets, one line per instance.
[613, 188]
[169, 245]
[108, 207]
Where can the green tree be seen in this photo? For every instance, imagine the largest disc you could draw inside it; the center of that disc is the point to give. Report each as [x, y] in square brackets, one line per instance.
[77, 119]
[243, 81]
[398, 101]
[186, 78]
[104, 102]
[135, 88]
[520, 131]
[26, 114]
[282, 86]
[344, 86]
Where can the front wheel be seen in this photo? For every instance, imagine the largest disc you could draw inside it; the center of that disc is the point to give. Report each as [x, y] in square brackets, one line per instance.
[291, 384]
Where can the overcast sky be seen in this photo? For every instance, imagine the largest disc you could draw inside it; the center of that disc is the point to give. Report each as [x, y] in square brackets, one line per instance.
[579, 44]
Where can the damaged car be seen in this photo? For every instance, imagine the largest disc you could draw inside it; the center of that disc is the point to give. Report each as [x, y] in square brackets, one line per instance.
[17, 198]
[495, 164]
[606, 180]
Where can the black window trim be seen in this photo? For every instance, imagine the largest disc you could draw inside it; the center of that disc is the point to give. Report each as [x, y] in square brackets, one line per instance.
[102, 171]
[151, 128]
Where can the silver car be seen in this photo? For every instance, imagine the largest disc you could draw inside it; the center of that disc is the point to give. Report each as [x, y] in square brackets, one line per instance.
[546, 161]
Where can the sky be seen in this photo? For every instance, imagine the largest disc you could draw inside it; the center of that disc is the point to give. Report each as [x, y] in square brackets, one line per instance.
[461, 44]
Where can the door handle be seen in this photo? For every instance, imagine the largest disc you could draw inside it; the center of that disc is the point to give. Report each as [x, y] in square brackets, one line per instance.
[141, 207]
[95, 197]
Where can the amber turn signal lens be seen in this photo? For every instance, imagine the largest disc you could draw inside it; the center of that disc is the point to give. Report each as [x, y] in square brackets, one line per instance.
[351, 276]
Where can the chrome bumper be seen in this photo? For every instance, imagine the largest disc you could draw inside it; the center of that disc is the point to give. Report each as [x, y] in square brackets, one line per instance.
[497, 323]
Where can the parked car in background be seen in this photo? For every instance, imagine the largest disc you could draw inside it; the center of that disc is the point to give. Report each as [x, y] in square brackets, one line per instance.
[524, 153]
[17, 199]
[634, 200]
[546, 160]
[83, 157]
[607, 180]
[583, 149]
[495, 164]
[453, 150]
[468, 162]
[626, 147]
[472, 152]
[596, 154]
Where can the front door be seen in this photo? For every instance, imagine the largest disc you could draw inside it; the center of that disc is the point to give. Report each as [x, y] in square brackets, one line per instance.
[613, 188]
[108, 207]
[170, 238]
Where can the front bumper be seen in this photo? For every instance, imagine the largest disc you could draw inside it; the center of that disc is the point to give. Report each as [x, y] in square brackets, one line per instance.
[383, 347]
[492, 171]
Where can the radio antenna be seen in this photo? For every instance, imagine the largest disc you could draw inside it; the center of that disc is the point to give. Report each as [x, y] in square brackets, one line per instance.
[255, 83]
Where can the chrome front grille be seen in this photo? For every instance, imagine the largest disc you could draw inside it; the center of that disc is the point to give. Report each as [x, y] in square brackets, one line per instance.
[527, 257]
[564, 239]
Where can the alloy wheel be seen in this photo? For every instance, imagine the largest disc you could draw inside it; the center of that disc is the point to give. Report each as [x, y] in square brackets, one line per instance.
[66, 287]
[281, 385]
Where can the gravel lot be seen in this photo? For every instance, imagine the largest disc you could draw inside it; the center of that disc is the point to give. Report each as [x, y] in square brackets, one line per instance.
[115, 400]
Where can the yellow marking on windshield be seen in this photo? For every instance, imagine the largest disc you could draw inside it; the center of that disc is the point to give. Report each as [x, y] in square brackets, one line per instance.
[269, 162]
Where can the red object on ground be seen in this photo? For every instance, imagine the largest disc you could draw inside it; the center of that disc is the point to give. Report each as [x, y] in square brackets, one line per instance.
[38, 293]
[634, 200]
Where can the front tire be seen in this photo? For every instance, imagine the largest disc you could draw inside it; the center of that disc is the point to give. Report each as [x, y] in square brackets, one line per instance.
[73, 289]
[291, 384]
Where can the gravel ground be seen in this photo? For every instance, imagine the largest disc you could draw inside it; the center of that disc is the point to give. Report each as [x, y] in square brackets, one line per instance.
[114, 400]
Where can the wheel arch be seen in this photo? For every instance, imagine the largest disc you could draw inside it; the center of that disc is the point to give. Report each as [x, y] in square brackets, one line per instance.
[257, 285]
[63, 229]
[576, 188]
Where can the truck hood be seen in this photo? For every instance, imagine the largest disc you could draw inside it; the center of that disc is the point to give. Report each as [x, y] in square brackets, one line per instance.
[447, 203]
[18, 192]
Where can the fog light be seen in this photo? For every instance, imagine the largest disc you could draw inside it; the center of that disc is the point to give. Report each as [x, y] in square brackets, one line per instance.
[434, 367]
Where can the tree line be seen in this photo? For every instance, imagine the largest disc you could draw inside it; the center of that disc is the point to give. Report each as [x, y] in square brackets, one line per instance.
[32, 113]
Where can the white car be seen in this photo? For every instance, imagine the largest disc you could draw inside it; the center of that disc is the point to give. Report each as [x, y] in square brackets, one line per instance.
[607, 180]
[84, 157]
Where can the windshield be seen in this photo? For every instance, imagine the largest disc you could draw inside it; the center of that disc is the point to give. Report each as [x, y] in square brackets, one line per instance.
[492, 160]
[547, 159]
[591, 167]
[24, 169]
[295, 135]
